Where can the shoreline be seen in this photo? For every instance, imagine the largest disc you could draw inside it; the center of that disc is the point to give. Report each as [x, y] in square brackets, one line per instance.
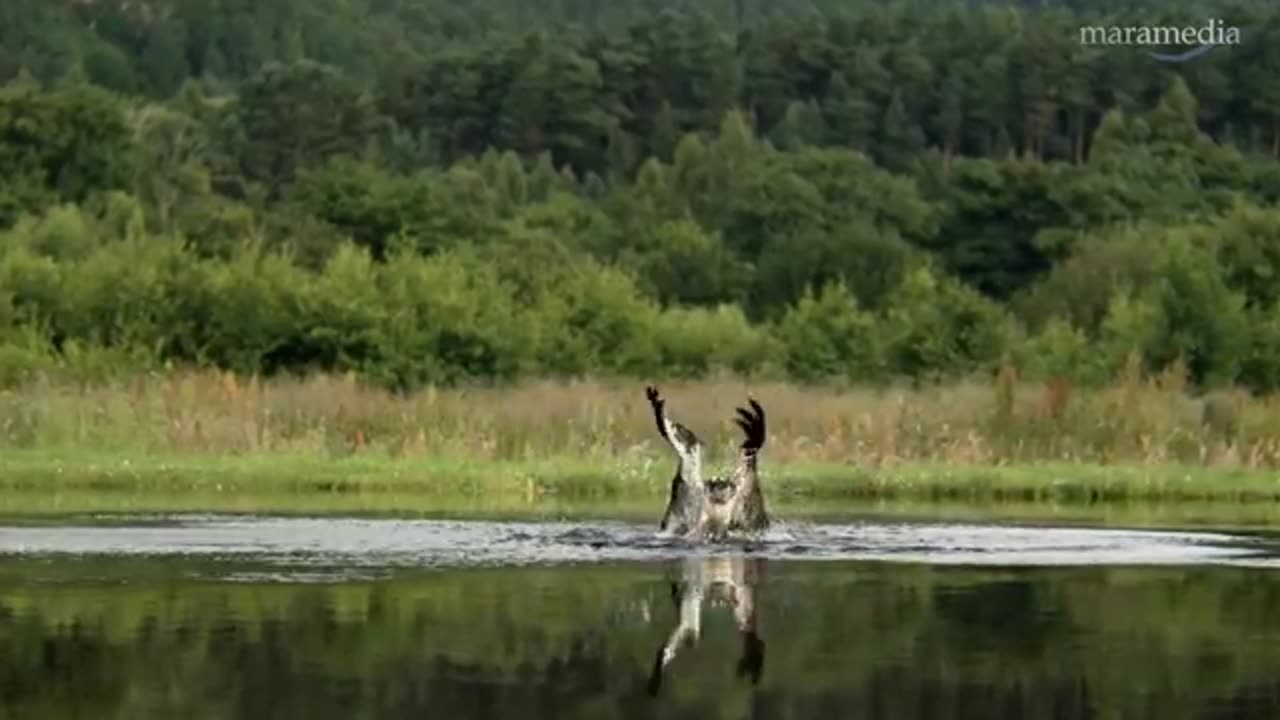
[639, 482]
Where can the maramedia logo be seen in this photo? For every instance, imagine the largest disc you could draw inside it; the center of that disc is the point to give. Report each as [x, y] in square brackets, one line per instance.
[1205, 38]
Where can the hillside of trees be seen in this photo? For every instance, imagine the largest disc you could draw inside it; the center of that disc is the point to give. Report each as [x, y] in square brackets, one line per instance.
[425, 191]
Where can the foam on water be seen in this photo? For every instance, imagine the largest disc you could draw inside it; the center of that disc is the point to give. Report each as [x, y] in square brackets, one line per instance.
[380, 543]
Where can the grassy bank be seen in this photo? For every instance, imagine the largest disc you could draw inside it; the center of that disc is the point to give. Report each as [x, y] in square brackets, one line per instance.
[22, 505]
[1001, 441]
[529, 481]
[39, 484]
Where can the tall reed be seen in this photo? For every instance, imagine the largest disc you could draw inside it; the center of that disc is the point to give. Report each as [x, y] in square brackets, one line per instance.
[1140, 419]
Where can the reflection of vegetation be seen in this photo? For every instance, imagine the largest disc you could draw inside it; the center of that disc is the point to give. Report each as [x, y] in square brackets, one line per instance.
[575, 642]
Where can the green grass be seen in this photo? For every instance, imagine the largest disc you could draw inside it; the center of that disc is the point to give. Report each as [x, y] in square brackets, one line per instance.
[593, 479]
[46, 482]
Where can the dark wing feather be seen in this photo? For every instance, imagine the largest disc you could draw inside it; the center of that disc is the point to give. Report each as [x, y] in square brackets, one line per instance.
[658, 404]
[753, 426]
[749, 512]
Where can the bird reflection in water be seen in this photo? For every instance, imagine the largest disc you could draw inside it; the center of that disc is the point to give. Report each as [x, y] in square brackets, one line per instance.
[724, 581]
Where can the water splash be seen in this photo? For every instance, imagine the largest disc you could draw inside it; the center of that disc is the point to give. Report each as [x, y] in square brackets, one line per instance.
[359, 545]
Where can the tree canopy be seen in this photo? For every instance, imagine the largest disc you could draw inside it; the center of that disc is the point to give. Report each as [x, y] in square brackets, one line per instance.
[424, 191]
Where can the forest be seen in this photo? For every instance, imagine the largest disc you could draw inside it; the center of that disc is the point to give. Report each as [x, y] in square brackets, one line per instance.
[423, 192]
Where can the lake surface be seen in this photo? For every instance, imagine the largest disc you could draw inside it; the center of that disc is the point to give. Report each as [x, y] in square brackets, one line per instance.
[242, 617]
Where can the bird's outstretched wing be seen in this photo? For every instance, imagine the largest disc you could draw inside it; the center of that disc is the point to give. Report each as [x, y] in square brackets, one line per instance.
[686, 486]
[749, 511]
[753, 427]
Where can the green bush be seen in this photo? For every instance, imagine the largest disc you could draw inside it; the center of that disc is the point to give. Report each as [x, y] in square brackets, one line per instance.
[1059, 350]
[934, 325]
[697, 342]
[826, 335]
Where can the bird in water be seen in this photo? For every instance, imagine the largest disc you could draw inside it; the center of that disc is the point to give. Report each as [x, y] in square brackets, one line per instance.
[712, 508]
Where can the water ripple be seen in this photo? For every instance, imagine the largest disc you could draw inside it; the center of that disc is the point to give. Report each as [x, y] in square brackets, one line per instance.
[373, 543]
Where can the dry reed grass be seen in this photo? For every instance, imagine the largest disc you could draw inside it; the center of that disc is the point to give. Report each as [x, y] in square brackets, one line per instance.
[1139, 420]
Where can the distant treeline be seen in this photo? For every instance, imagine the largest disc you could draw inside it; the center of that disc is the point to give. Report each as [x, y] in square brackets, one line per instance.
[816, 191]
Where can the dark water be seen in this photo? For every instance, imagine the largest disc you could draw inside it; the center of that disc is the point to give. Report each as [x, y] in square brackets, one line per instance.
[272, 618]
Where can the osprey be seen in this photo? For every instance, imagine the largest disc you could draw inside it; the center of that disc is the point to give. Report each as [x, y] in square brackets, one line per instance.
[712, 508]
